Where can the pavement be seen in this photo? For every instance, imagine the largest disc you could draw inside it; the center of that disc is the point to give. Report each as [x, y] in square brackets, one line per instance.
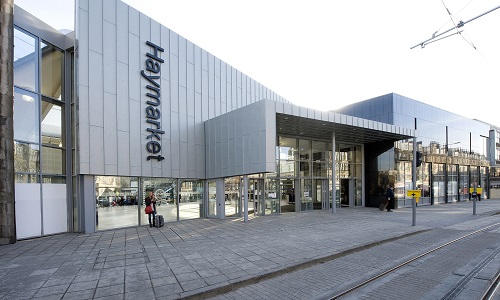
[203, 257]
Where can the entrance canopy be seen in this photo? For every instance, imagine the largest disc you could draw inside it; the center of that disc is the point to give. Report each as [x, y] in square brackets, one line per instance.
[321, 125]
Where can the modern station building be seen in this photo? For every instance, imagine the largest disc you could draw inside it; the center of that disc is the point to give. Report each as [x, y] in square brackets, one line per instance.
[123, 104]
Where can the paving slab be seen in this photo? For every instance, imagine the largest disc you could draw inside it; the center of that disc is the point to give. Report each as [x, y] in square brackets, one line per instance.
[189, 257]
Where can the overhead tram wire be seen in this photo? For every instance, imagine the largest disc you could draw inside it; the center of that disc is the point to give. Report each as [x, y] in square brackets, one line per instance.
[455, 25]
[459, 25]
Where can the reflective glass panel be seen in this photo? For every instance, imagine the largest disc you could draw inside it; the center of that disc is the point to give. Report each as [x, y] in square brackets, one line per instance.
[191, 200]
[232, 196]
[25, 60]
[27, 178]
[52, 71]
[116, 202]
[166, 194]
[26, 116]
[51, 126]
[53, 161]
[26, 158]
[287, 148]
[304, 149]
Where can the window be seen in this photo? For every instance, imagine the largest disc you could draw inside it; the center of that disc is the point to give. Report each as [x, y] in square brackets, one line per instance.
[51, 71]
[25, 60]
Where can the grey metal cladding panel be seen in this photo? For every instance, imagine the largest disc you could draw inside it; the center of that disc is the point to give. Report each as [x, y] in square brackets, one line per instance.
[182, 114]
[234, 100]
[287, 108]
[122, 32]
[174, 83]
[190, 52]
[109, 9]
[211, 76]
[200, 161]
[243, 90]
[197, 108]
[84, 130]
[155, 36]
[175, 140]
[110, 130]
[197, 70]
[109, 57]
[166, 164]
[83, 4]
[96, 150]
[122, 107]
[95, 89]
[83, 48]
[190, 91]
[123, 153]
[183, 160]
[174, 43]
[95, 26]
[165, 44]
[211, 108]
[217, 96]
[191, 144]
[133, 21]
[135, 67]
[165, 106]
[182, 62]
[204, 59]
[204, 96]
[136, 143]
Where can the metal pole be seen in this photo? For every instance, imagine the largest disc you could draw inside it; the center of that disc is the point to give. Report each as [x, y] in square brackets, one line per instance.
[7, 188]
[334, 175]
[474, 199]
[414, 182]
[245, 198]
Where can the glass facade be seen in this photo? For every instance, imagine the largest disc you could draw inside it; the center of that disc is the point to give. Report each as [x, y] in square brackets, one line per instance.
[452, 149]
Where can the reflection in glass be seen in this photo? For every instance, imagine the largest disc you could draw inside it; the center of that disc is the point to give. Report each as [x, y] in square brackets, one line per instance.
[54, 179]
[304, 149]
[191, 200]
[165, 190]
[116, 202]
[51, 126]
[464, 182]
[232, 196]
[51, 71]
[53, 161]
[27, 178]
[26, 158]
[24, 60]
[287, 148]
[25, 116]
[212, 193]
[438, 190]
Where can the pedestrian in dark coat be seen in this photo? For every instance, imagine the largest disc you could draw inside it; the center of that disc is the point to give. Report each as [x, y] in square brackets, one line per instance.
[390, 198]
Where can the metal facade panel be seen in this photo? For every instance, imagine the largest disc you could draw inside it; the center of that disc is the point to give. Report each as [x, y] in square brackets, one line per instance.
[183, 162]
[174, 83]
[174, 43]
[95, 26]
[83, 125]
[175, 140]
[95, 89]
[96, 150]
[135, 65]
[133, 21]
[123, 152]
[122, 107]
[110, 130]
[135, 135]
[182, 62]
[109, 11]
[166, 164]
[165, 44]
[83, 4]
[197, 70]
[182, 114]
[191, 144]
[109, 58]
[83, 48]
[122, 32]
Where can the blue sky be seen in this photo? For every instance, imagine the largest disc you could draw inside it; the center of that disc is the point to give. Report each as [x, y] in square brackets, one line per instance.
[326, 54]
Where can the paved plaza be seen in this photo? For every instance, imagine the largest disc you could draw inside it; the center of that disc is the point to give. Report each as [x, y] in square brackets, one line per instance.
[188, 258]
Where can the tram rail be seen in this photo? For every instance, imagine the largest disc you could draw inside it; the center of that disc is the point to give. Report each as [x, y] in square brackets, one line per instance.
[489, 294]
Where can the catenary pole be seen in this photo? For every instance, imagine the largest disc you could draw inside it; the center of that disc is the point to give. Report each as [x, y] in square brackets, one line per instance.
[7, 197]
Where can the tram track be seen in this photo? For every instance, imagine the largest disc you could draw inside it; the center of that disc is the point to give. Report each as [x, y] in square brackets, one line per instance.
[457, 288]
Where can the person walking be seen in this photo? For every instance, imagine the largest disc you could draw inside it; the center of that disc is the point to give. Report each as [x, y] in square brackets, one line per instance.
[390, 198]
[150, 200]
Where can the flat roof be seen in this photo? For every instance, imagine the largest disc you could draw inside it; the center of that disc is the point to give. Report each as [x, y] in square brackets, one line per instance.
[322, 125]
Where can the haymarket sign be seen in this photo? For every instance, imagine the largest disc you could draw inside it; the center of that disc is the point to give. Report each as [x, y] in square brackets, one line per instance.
[153, 100]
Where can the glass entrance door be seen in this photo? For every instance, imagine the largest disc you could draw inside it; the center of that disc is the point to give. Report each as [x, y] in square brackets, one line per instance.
[345, 192]
[255, 196]
[321, 200]
[287, 195]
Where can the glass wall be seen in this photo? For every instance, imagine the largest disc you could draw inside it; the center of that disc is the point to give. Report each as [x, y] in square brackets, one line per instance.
[116, 202]
[464, 183]
[166, 194]
[424, 183]
[232, 197]
[191, 199]
[39, 135]
[212, 199]
[438, 183]
[452, 186]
